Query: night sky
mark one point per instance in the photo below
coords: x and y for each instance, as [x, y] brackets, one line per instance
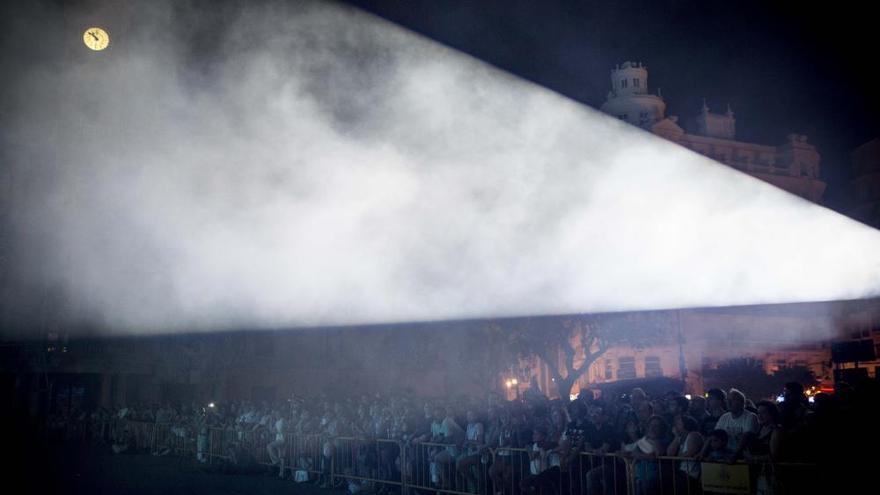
[783, 66]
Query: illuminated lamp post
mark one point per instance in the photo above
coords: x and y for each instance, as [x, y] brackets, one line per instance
[513, 383]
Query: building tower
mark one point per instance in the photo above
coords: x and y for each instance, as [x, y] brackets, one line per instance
[722, 126]
[629, 100]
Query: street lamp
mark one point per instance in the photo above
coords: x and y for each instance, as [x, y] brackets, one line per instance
[513, 383]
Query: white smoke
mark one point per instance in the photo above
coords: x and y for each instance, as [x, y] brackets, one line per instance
[332, 168]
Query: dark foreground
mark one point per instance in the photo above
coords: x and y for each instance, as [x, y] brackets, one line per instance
[94, 471]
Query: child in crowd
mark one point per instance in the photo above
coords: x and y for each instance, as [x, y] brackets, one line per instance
[716, 449]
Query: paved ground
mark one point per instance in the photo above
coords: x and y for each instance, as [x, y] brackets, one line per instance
[96, 471]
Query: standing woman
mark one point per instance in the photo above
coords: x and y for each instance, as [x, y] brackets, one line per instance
[765, 447]
[688, 442]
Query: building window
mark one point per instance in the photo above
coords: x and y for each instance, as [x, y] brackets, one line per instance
[609, 373]
[652, 367]
[623, 83]
[623, 116]
[626, 368]
[635, 83]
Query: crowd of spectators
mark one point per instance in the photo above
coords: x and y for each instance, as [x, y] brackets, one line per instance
[490, 445]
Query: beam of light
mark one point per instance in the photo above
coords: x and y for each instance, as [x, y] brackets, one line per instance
[326, 167]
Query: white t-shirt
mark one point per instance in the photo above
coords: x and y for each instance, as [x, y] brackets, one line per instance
[736, 427]
[539, 463]
[279, 429]
[474, 430]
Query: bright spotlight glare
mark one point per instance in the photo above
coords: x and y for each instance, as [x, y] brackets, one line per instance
[437, 187]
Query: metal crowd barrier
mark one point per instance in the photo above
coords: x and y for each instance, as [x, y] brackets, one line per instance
[301, 455]
[410, 468]
[363, 463]
[575, 473]
[683, 476]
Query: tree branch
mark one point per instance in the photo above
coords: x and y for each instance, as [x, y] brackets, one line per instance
[543, 355]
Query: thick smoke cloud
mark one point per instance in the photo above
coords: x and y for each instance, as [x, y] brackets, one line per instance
[314, 165]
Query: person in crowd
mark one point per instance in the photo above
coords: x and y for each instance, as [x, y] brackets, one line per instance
[631, 436]
[444, 430]
[794, 407]
[543, 474]
[552, 457]
[737, 422]
[716, 406]
[601, 438]
[766, 444]
[687, 442]
[678, 405]
[697, 410]
[557, 422]
[493, 431]
[716, 448]
[794, 415]
[470, 459]
[124, 443]
[636, 397]
[508, 437]
[644, 413]
[275, 448]
[648, 448]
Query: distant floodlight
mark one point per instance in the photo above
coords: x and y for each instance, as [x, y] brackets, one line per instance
[210, 404]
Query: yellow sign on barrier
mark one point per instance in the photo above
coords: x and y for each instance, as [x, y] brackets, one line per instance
[725, 478]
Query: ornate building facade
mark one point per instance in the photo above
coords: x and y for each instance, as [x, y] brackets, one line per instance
[792, 166]
[776, 337]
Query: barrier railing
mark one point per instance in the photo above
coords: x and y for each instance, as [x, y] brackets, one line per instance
[446, 468]
[602, 473]
[684, 476]
[302, 456]
[364, 463]
[380, 465]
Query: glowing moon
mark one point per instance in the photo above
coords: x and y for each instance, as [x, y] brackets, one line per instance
[96, 38]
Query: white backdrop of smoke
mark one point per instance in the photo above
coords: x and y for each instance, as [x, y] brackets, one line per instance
[331, 168]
